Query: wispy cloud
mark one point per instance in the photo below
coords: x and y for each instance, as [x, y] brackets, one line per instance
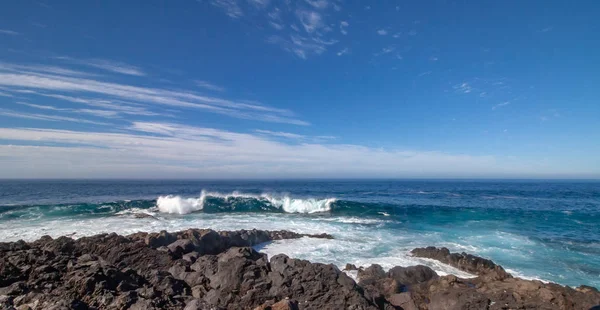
[9, 32]
[106, 65]
[382, 32]
[259, 3]
[209, 86]
[424, 73]
[304, 28]
[464, 88]
[310, 20]
[93, 112]
[302, 46]
[174, 150]
[343, 27]
[319, 4]
[231, 7]
[385, 50]
[43, 82]
[344, 51]
[46, 117]
[499, 105]
[281, 134]
[41, 68]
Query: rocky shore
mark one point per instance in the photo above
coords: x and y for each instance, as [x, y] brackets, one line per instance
[204, 269]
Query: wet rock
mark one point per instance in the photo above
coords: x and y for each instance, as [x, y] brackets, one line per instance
[281, 305]
[463, 261]
[161, 239]
[373, 272]
[350, 267]
[403, 300]
[204, 269]
[180, 247]
[412, 275]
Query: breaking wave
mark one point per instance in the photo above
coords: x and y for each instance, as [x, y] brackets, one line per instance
[218, 202]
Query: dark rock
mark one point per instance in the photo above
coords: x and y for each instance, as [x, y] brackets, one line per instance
[315, 286]
[191, 257]
[412, 274]
[204, 269]
[350, 267]
[403, 300]
[144, 216]
[463, 261]
[282, 305]
[161, 239]
[180, 247]
[373, 272]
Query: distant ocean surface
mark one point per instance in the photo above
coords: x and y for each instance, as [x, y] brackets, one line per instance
[548, 230]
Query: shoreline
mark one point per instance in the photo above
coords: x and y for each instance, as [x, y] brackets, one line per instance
[205, 269]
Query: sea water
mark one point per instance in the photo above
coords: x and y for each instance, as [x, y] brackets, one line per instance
[547, 230]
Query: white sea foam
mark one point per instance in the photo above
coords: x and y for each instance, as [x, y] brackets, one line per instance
[517, 274]
[178, 205]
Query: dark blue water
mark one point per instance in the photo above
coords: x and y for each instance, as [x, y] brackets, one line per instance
[539, 229]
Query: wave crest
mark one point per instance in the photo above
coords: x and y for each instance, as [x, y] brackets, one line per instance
[178, 205]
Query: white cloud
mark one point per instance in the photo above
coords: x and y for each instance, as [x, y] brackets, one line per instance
[343, 26]
[276, 25]
[46, 117]
[9, 32]
[119, 106]
[464, 88]
[231, 7]
[397, 35]
[106, 65]
[281, 134]
[164, 150]
[302, 46]
[259, 3]
[343, 52]
[42, 82]
[41, 68]
[310, 20]
[499, 105]
[209, 86]
[93, 112]
[382, 32]
[319, 4]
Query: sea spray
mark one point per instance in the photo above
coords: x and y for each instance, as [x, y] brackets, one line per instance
[179, 205]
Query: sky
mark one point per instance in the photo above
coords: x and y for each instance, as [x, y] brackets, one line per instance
[299, 89]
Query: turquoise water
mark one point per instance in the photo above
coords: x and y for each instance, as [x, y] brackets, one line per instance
[547, 230]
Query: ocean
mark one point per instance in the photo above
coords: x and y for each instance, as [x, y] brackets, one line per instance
[546, 230]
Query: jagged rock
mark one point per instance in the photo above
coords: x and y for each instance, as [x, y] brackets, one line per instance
[412, 274]
[315, 286]
[282, 305]
[204, 269]
[403, 300]
[463, 261]
[181, 246]
[350, 267]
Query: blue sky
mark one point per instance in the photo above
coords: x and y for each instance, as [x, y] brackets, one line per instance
[307, 88]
